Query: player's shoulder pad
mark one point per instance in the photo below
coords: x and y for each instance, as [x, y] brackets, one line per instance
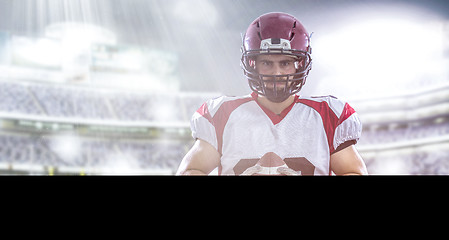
[337, 105]
[215, 103]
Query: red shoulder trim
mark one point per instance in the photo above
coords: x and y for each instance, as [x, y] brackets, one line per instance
[204, 111]
[347, 112]
[221, 117]
[330, 119]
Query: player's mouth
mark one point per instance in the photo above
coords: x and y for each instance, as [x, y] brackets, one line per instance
[278, 85]
[278, 94]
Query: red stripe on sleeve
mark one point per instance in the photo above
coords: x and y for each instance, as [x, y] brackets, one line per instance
[330, 120]
[347, 112]
[221, 117]
[204, 111]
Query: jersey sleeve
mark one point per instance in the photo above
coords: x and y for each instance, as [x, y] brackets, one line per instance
[348, 127]
[202, 126]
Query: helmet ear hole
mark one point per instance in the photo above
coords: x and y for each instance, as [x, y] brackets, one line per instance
[299, 64]
[252, 63]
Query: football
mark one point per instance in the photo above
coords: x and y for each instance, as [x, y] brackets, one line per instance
[270, 164]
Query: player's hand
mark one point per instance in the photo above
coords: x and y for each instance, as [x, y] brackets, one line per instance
[282, 171]
[288, 171]
[252, 170]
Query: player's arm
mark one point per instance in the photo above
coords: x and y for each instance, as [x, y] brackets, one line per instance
[348, 162]
[201, 159]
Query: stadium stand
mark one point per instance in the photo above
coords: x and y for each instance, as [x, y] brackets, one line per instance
[408, 133]
[34, 115]
[148, 130]
[149, 133]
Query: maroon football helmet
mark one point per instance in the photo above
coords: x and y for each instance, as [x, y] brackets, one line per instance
[276, 33]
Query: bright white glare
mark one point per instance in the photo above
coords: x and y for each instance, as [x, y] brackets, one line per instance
[122, 164]
[42, 51]
[77, 38]
[131, 60]
[80, 34]
[163, 111]
[66, 146]
[198, 12]
[392, 166]
[381, 56]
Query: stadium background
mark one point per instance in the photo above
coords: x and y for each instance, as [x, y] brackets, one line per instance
[108, 86]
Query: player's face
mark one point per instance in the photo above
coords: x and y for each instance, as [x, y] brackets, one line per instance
[275, 65]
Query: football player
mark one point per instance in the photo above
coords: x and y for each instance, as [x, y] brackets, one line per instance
[274, 131]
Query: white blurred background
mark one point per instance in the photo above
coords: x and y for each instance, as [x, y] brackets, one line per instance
[108, 86]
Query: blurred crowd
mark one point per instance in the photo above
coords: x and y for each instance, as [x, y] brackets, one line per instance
[89, 103]
[99, 152]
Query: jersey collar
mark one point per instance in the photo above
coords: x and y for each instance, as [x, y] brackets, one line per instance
[275, 118]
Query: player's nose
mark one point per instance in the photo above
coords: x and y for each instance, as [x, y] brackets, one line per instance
[277, 70]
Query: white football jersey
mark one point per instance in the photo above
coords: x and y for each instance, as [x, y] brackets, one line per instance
[302, 138]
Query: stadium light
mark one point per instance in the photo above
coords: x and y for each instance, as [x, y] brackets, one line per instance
[123, 163]
[80, 33]
[67, 146]
[380, 55]
[77, 38]
[42, 51]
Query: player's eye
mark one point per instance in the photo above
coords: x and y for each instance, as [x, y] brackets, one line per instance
[286, 64]
[266, 63]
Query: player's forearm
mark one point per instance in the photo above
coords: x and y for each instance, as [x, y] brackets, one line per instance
[192, 172]
[353, 174]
